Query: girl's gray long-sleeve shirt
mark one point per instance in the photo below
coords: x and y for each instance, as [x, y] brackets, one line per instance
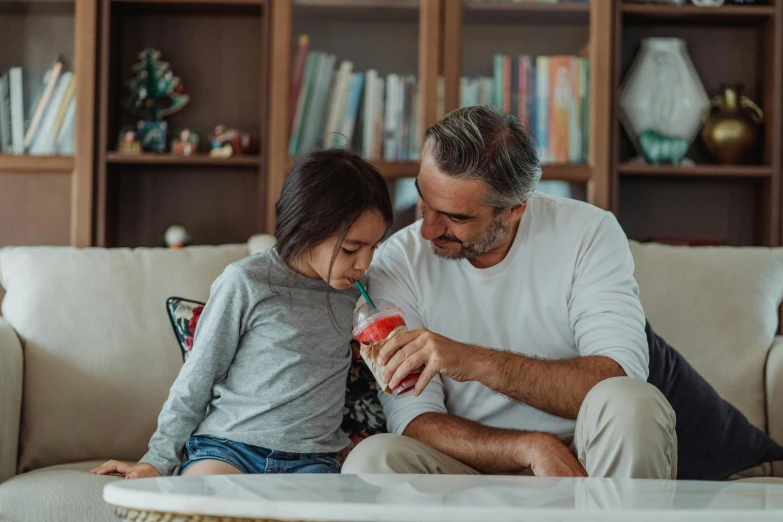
[268, 368]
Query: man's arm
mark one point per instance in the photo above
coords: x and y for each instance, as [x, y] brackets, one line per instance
[494, 450]
[557, 387]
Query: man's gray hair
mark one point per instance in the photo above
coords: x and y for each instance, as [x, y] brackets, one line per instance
[482, 142]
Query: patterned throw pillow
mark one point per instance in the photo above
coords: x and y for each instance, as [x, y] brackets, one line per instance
[362, 415]
[184, 315]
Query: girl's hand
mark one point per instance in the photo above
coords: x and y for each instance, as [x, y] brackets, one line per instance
[127, 469]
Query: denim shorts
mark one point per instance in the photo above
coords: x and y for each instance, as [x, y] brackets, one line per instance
[252, 459]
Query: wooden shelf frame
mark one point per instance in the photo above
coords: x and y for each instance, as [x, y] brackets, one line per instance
[196, 160]
[15, 164]
[596, 13]
[647, 13]
[698, 171]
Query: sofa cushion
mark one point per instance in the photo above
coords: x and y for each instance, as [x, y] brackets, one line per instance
[65, 493]
[99, 355]
[260, 242]
[714, 440]
[719, 308]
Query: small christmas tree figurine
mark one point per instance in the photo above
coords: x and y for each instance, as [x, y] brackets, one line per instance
[154, 94]
[154, 90]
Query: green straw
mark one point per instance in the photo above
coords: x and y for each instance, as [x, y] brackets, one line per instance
[366, 296]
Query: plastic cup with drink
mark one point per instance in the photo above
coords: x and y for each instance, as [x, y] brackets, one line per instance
[374, 324]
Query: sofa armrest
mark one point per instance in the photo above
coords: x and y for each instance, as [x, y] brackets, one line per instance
[10, 398]
[774, 390]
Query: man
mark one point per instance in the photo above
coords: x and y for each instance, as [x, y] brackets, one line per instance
[525, 317]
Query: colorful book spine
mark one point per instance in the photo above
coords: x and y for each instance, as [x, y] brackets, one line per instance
[497, 97]
[368, 110]
[17, 110]
[5, 115]
[379, 124]
[296, 83]
[575, 113]
[532, 101]
[542, 107]
[59, 120]
[50, 80]
[584, 93]
[523, 69]
[560, 95]
[305, 93]
[507, 84]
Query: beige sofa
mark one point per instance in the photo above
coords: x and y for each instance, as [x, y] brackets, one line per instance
[87, 354]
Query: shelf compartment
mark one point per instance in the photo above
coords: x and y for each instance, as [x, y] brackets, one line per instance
[36, 164]
[697, 171]
[196, 160]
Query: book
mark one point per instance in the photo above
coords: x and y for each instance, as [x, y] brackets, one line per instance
[305, 93]
[296, 83]
[352, 108]
[6, 145]
[68, 101]
[584, 93]
[316, 115]
[542, 107]
[337, 104]
[560, 95]
[65, 141]
[50, 81]
[497, 95]
[369, 111]
[391, 118]
[17, 110]
[40, 143]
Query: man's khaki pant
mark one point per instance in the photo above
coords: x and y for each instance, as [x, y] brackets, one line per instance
[624, 429]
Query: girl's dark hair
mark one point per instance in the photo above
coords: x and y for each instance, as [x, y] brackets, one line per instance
[323, 195]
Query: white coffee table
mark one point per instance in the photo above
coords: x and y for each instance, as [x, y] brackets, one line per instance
[419, 498]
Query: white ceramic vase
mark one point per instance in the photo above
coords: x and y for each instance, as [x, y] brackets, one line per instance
[663, 92]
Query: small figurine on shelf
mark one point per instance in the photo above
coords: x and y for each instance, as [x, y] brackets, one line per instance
[225, 142]
[186, 143]
[152, 135]
[154, 94]
[127, 142]
[176, 236]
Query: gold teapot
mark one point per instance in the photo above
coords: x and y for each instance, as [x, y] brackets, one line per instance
[731, 125]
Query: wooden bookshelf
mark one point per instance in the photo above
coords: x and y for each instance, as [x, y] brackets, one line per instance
[740, 203]
[235, 59]
[49, 198]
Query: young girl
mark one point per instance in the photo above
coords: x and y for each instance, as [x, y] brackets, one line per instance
[264, 387]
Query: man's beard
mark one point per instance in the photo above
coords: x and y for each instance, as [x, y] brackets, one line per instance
[486, 241]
